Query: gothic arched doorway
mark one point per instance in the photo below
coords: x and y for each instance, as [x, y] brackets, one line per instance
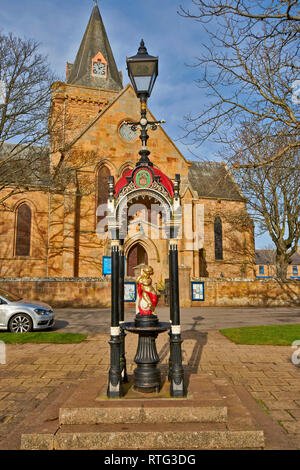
[136, 255]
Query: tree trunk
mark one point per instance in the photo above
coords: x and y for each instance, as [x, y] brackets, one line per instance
[282, 261]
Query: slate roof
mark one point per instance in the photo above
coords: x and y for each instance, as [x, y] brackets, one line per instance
[295, 259]
[95, 40]
[213, 180]
[30, 166]
[264, 257]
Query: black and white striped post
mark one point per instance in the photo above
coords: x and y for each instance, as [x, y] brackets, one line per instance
[121, 312]
[176, 373]
[114, 389]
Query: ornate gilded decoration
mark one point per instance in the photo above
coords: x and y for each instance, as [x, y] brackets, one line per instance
[147, 297]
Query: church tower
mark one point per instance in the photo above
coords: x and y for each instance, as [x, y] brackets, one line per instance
[95, 65]
[92, 82]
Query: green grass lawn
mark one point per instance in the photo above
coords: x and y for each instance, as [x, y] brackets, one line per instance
[42, 337]
[277, 335]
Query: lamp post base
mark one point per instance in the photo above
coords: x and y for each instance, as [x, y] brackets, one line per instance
[176, 374]
[123, 357]
[114, 389]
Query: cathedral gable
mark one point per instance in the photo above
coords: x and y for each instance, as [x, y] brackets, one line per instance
[108, 137]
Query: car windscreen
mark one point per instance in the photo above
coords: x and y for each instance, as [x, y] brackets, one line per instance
[9, 296]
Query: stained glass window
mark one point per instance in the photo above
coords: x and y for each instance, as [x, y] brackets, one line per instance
[218, 239]
[23, 235]
[102, 191]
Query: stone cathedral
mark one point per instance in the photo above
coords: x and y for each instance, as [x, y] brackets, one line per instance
[60, 230]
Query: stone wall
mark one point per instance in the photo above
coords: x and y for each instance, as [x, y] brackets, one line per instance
[62, 292]
[218, 293]
[249, 293]
[34, 265]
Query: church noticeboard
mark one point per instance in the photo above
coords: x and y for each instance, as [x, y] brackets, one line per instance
[198, 291]
[106, 265]
[129, 292]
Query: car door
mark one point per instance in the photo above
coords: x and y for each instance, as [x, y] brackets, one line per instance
[3, 312]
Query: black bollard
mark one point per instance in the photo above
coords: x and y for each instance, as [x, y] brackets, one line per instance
[121, 313]
[114, 389]
[176, 375]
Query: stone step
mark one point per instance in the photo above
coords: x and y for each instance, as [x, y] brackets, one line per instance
[137, 407]
[143, 414]
[211, 416]
[145, 437]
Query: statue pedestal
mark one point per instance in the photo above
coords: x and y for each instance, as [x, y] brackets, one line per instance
[147, 375]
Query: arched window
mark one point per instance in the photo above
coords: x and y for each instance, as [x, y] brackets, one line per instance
[102, 191]
[23, 235]
[202, 263]
[218, 238]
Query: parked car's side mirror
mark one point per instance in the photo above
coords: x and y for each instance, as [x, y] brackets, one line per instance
[2, 302]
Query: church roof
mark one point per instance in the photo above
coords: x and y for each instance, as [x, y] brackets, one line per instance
[269, 256]
[213, 180]
[95, 40]
[24, 165]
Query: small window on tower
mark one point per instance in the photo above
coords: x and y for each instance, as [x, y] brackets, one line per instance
[99, 66]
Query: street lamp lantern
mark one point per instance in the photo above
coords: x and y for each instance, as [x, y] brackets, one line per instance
[143, 71]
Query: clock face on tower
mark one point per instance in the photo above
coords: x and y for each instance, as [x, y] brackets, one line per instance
[99, 69]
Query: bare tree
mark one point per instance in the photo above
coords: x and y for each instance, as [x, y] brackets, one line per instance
[31, 126]
[257, 10]
[26, 79]
[249, 67]
[272, 189]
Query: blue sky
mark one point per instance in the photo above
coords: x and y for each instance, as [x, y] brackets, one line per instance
[59, 25]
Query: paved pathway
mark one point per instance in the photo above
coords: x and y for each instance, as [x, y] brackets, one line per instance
[34, 371]
[94, 321]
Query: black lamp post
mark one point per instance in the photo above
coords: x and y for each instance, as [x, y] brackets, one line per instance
[143, 71]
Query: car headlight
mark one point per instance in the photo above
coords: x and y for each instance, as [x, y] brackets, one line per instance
[40, 311]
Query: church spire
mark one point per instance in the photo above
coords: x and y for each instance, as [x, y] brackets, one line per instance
[95, 65]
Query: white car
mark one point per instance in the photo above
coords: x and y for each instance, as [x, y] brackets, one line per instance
[22, 315]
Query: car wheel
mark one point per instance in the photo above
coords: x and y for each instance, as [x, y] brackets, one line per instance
[20, 323]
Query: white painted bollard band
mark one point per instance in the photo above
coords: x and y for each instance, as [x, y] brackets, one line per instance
[115, 331]
[176, 329]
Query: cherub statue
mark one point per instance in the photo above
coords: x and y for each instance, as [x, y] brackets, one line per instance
[147, 297]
